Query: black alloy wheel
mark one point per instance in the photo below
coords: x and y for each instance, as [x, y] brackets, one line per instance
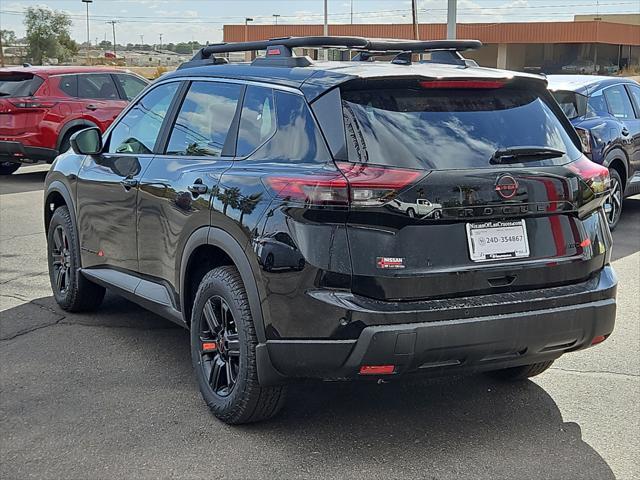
[614, 201]
[219, 346]
[61, 259]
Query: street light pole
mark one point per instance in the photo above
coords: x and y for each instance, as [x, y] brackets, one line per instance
[325, 30]
[248, 55]
[161, 41]
[414, 16]
[275, 15]
[452, 8]
[113, 26]
[87, 2]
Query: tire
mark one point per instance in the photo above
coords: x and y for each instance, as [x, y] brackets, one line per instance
[615, 200]
[521, 373]
[65, 144]
[223, 351]
[7, 168]
[72, 291]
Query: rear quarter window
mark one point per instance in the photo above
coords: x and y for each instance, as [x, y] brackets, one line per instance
[449, 129]
[19, 84]
[297, 138]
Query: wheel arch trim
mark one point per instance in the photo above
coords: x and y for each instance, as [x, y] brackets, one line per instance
[58, 187]
[229, 245]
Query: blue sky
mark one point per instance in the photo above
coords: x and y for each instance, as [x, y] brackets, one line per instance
[184, 20]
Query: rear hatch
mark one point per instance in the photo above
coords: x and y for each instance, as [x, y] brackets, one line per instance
[20, 111]
[466, 187]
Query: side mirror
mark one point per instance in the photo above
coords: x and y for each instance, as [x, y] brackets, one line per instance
[87, 141]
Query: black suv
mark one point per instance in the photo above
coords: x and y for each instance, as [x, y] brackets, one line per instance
[340, 220]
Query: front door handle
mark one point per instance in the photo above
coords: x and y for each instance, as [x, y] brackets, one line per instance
[92, 107]
[198, 188]
[129, 183]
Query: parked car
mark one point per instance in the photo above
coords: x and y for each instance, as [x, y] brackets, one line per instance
[581, 66]
[172, 207]
[421, 207]
[41, 107]
[605, 112]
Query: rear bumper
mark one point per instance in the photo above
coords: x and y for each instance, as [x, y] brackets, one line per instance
[460, 344]
[20, 153]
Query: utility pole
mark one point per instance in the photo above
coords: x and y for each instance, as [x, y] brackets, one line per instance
[452, 8]
[87, 2]
[161, 41]
[141, 39]
[351, 12]
[113, 26]
[325, 30]
[275, 15]
[414, 16]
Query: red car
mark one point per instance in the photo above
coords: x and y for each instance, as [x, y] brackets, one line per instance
[41, 107]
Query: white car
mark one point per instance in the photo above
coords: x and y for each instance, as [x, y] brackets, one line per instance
[422, 208]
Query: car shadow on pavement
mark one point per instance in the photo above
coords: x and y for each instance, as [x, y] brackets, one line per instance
[626, 236]
[131, 369]
[23, 181]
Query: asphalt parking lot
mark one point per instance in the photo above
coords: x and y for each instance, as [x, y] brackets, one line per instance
[111, 395]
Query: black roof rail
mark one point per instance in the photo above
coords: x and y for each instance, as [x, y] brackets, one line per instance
[280, 53]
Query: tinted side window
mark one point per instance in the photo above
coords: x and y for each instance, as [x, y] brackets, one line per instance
[596, 106]
[138, 130]
[204, 119]
[297, 138]
[618, 102]
[69, 85]
[99, 86]
[257, 121]
[131, 85]
[635, 94]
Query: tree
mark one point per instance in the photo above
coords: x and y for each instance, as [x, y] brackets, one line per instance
[7, 37]
[48, 34]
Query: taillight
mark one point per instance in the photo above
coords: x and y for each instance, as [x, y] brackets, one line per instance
[594, 175]
[356, 184]
[487, 84]
[585, 140]
[31, 103]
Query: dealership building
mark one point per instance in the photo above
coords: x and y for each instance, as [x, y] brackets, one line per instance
[589, 44]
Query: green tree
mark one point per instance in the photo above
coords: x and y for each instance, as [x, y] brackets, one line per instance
[48, 34]
[7, 37]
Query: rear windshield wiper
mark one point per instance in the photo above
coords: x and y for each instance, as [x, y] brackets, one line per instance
[523, 154]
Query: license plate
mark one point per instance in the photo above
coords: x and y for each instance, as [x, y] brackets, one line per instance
[497, 240]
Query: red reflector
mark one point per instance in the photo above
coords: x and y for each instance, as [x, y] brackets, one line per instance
[598, 339]
[209, 346]
[585, 243]
[377, 369]
[463, 84]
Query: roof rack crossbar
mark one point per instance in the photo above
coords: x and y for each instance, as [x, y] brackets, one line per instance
[352, 43]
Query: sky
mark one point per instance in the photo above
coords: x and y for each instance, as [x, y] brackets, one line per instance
[202, 20]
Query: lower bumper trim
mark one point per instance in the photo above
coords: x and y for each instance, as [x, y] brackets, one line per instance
[20, 153]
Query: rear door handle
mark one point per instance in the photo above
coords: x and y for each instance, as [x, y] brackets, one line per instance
[129, 183]
[198, 188]
[92, 107]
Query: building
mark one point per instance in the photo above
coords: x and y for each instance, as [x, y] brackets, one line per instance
[592, 46]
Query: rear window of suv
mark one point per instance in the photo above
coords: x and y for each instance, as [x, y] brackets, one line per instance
[449, 129]
[19, 84]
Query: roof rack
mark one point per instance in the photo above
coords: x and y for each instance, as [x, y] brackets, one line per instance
[279, 51]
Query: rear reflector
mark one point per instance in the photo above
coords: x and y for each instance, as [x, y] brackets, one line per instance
[463, 84]
[355, 184]
[209, 346]
[593, 174]
[598, 339]
[377, 369]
